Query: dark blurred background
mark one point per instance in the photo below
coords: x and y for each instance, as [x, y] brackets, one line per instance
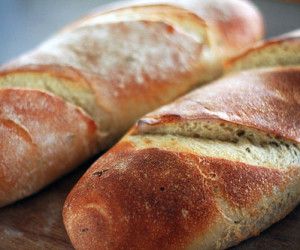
[25, 23]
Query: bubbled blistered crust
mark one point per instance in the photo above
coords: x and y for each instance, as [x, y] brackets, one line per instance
[41, 138]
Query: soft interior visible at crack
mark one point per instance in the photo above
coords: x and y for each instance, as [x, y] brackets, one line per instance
[222, 140]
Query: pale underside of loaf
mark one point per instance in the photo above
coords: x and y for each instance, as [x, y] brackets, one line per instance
[204, 179]
[282, 51]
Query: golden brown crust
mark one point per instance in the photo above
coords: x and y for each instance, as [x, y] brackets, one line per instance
[254, 99]
[106, 68]
[106, 64]
[152, 191]
[150, 199]
[39, 141]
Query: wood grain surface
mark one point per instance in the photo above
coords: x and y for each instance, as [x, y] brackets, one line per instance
[36, 223]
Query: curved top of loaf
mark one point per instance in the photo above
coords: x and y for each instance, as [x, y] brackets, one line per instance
[235, 24]
[266, 100]
[177, 17]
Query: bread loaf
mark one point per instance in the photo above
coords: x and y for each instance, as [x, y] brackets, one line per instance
[90, 82]
[214, 168]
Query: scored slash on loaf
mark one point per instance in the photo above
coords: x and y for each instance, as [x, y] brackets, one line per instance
[234, 24]
[279, 51]
[105, 71]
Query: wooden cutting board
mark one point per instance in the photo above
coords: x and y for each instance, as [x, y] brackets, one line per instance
[36, 223]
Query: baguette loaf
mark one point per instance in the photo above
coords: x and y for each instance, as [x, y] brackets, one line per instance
[215, 167]
[283, 50]
[104, 71]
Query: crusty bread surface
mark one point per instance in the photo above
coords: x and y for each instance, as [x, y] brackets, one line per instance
[214, 168]
[112, 67]
[39, 140]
